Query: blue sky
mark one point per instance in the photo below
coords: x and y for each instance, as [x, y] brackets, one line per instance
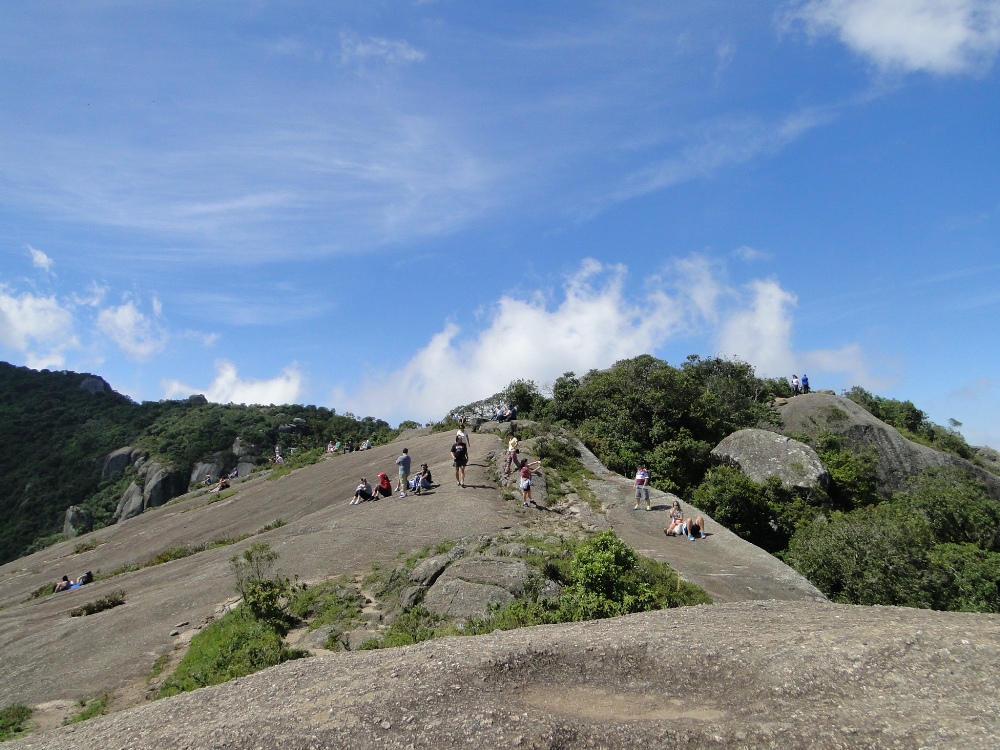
[392, 208]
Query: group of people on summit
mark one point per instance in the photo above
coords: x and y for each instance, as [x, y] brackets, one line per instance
[422, 480]
[800, 386]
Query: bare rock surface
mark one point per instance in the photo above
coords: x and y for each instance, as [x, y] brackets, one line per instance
[761, 454]
[789, 675]
[541, 687]
[727, 567]
[898, 458]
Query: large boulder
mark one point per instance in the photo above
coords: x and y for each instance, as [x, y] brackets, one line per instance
[760, 454]
[94, 384]
[212, 469]
[163, 483]
[77, 521]
[471, 586]
[899, 459]
[131, 503]
[990, 457]
[118, 460]
[464, 600]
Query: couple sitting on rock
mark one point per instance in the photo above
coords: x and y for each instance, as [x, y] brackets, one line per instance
[692, 528]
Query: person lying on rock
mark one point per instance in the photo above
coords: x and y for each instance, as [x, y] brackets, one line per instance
[692, 528]
[222, 485]
[67, 585]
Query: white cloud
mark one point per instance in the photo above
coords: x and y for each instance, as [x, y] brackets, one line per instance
[936, 36]
[750, 254]
[389, 51]
[40, 328]
[597, 322]
[724, 143]
[603, 316]
[229, 388]
[93, 296]
[759, 331]
[40, 259]
[139, 336]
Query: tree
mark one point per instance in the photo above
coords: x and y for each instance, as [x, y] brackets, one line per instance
[868, 556]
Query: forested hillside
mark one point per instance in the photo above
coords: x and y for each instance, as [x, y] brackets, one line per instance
[58, 427]
[934, 544]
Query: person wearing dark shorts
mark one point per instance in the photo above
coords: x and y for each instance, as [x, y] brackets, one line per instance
[460, 457]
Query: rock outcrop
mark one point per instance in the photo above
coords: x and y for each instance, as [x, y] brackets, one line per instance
[898, 458]
[131, 503]
[77, 521]
[119, 460]
[94, 384]
[760, 454]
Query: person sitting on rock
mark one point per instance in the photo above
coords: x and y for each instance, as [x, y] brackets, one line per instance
[222, 485]
[365, 446]
[362, 493]
[676, 519]
[83, 580]
[422, 480]
[384, 486]
[508, 415]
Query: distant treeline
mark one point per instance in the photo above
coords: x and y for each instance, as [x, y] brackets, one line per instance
[56, 436]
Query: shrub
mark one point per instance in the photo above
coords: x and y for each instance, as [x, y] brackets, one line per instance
[112, 600]
[964, 578]
[867, 556]
[234, 646]
[605, 583]
[14, 720]
[956, 506]
[90, 709]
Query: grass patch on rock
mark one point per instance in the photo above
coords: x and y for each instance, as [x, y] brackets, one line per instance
[14, 721]
[112, 600]
[89, 709]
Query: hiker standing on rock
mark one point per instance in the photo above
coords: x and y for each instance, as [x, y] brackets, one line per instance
[526, 471]
[511, 456]
[641, 486]
[460, 457]
[805, 383]
[403, 462]
[796, 389]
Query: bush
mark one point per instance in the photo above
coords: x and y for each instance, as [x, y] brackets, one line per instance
[868, 556]
[853, 474]
[604, 582]
[964, 578]
[234, 646]
[112, 600]
[955, 505]
[14, 721]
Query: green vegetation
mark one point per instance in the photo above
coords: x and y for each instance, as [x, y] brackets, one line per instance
[935, 545]
[14, 721]
[89, 709]
[88, 545]
[63, 434]
[177, 553]
[112, 600]
[600, 577]
[246, 640]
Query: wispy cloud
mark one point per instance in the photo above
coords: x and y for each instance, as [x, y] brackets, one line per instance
[228, 387]
[935, 36]
[40, 259]
[390, 51]
[728, 141]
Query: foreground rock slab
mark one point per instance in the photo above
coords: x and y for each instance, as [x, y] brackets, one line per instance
[744, 675]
